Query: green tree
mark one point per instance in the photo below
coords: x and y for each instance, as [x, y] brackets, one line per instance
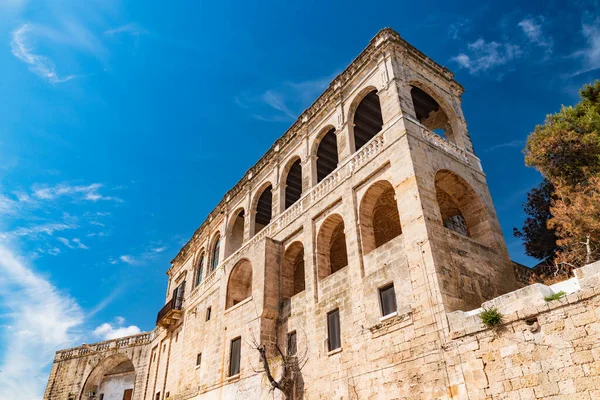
[566, 150]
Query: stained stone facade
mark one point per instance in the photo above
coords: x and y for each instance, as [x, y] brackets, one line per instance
[366, 235]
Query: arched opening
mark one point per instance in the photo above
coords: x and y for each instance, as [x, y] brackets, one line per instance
[199, 271]
[461, 208]
[430, 114]
[239, 286]
[293, 184]
[332, 254]
[379, 218]
[264, 209]
[112, 379]
[368, 120]
[327, 155]
[215, 253]
[292, 274]
[236, 233]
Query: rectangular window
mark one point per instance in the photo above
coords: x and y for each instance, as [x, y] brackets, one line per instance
[157, 397]
[208, 310]
[387, 299]
[292, 345]
[234, 356]
[198, 359]
[334, 340]
[101, 396]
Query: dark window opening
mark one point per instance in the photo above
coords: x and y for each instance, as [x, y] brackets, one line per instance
[264, 209]
[387, 298]
[334, 340]
[368, 120]
[157, 397]
[215, 253]
[293, 184]
[338, 252]
[100, 398]
[198, 359]
[234, 357]
[292, 345]
[208, 311]
[430, 114]
[236, 234]
[327, 155]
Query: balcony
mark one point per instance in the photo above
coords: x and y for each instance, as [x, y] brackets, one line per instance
[172, 311]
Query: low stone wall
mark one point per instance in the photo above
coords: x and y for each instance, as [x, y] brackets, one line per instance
[542, 349]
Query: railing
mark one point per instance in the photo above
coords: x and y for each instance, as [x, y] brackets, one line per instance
[91, 349]
[366, 153]
[174, 304]
[445, 145]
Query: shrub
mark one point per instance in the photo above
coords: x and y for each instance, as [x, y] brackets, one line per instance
[491, 317]
[555, 296]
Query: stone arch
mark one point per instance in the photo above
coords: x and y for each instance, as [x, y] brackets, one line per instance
[325, 150]
[215, 252]
[263, 207]
[461, 208]
[292, 271]
[235, 231]
[367, 117]
[111, 377]
[433, 112]
[379, 217]
[332, 252]
[200, 269]
[292, 174]
[239, 286]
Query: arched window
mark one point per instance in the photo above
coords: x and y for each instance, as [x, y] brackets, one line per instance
[461, 208]
[332, 254]
[199, 270]
[430, 114]
[264, 209]
[327, 155]
[215, 252]
[236, 233]
[292, 277]
[379, 218]
[293, 184]
[239, 286]
[368, 120]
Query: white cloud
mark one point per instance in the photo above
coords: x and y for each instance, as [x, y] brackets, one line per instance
[33, 231]
[74, 243]
[130, 29]
[532, 28]
[38, 64]
[42, 320]
[512, 143]
[484, 56]
[108, 331]
[128, 259]
[590, 54]
[81, 192]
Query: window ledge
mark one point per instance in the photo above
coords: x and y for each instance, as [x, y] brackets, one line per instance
[197, 367]
[335, 351]
[386, 317]
[233, 377]
[238, 305]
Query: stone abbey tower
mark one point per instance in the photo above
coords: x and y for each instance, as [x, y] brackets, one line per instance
[358, 245]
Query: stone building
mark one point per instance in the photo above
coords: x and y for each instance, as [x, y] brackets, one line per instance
[364, 242]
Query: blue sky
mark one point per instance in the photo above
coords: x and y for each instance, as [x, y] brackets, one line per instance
[123, 124]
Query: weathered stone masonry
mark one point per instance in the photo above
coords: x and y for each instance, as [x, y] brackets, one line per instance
[375, 186]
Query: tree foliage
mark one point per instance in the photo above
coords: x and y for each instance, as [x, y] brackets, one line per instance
[539, 239]
[566, 150]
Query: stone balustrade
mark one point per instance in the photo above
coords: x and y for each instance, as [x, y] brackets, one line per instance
[115, 344]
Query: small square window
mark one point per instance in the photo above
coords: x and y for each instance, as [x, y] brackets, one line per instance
[334, 340]
[292, 345]
[208, 312]
[157, 397]
[100, 398]
[198, 359]
[387, 299]
[234, 356]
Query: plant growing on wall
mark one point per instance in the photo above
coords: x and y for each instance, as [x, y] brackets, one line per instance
[491, 317]
[555, 296]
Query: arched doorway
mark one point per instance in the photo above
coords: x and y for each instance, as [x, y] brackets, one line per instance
[112, 379]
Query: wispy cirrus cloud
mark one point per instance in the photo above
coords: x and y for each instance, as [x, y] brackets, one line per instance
[79, 192]
[590, 53]
[38, 320]
[130, 29]
[42, 66]
[482, 56]
[282, 103]
[74, 243]
[511, 144]
[146, 255]
[533, 30]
